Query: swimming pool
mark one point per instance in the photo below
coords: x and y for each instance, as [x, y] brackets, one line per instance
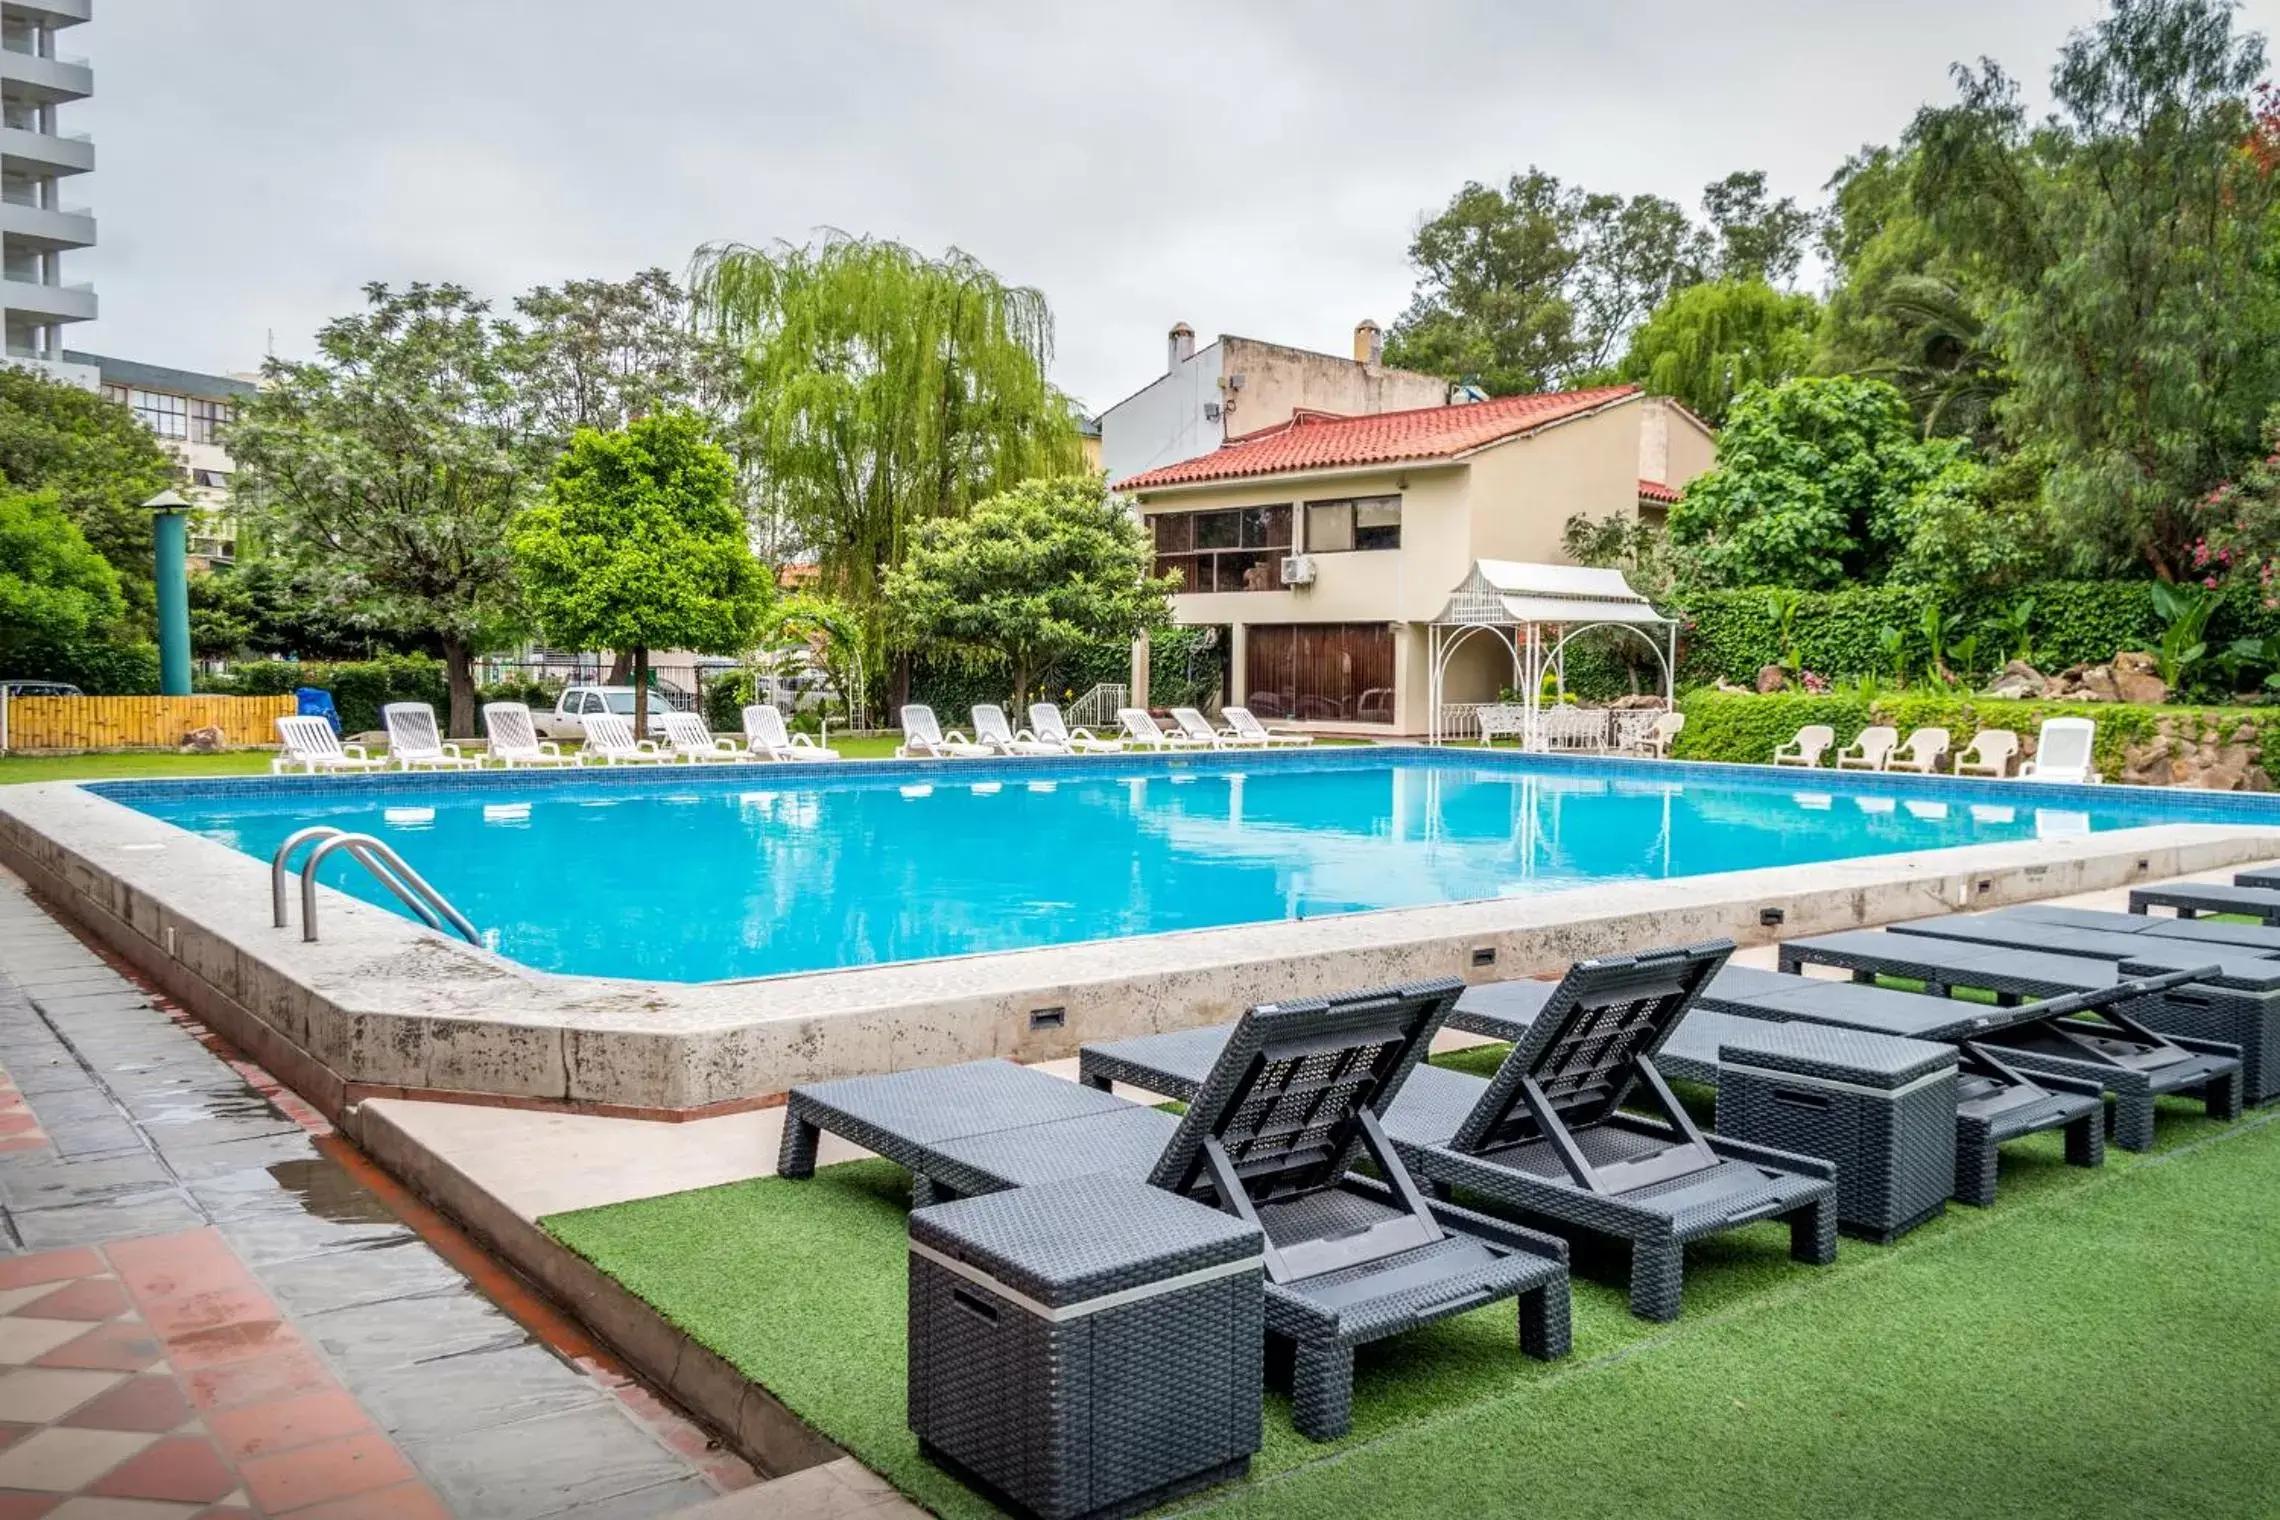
[703, 875]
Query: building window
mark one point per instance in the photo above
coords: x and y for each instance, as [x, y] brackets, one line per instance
[1320, 672]
[164, 414]
[1362, 522]
[212, 480]
[1240, 550]
[207, 418]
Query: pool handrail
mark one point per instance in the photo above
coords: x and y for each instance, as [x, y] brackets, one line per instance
[387, 867]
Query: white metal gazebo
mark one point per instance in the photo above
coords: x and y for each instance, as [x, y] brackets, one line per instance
[1532, 611]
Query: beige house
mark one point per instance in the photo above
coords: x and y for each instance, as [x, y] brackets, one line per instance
[1326, 546]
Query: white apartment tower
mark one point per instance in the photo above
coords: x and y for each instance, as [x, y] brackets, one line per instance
[36, 158]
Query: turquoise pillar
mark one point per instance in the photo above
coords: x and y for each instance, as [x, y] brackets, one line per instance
[173, 533]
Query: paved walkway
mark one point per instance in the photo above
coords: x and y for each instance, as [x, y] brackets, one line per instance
[211, 1305]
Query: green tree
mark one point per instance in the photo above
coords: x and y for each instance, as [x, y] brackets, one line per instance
[1534, 285]
[61, 611]
[2125, 243]
[639, 546]
[1975, 527]
[880, 389]
[395, 463]
[1756, 237]
[599, 353]
[1815, 487]
[1710, 342]
[97, 460]
[1034, 575]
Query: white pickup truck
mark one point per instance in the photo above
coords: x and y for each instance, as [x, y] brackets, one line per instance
[568, 719]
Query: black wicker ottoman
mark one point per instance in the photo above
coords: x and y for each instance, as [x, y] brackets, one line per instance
[1883, 1109]
[1090, 1347]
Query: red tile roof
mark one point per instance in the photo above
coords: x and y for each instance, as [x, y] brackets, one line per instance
[1314, 440]
[1655, 490]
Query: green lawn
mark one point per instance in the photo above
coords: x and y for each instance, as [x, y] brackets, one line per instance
[2098, 1339]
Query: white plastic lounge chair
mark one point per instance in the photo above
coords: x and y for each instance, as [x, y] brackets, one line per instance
[515, 740]
[923, 736]
[311, 745]
[1249, 730]
[1657, 739]
[609, 739]
[1046, 723]
[992, 729]
[414, 744]
[766, 738]
[1921, 753]
[1811, 743]
[1870, 751]
[1988, 754]
[1144, 732]
[2062, 752]
[1196, 726]
[689, 740]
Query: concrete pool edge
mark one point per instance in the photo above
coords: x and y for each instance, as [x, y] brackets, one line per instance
[382, 1007]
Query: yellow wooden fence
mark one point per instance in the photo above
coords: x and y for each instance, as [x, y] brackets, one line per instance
[35, 723]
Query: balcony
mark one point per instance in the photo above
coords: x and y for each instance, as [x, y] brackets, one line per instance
[43, 81]
[44, 153]
[38, 227]
[52, 303]
[54, 12]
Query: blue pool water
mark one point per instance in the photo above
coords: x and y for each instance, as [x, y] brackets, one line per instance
[695, 876]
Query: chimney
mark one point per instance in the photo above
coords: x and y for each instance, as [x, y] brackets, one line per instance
[1181, 347]
[1369, 347]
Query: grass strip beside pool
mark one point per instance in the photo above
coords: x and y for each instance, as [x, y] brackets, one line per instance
[2097, 1339]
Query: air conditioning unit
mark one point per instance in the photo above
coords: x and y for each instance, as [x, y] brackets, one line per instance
[1298, 570]
[1211, 411]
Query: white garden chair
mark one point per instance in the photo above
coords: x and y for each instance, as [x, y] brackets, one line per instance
[1922, 752]
[2062, 752]
[1811, 743]
[766, 738]
[1249, 730]
[1142, 730]
[310, 745]
[1988, 754]
[609, 739]
[514, 738]
[992, 729]
[1656, 741]
[1194, 725]
[922, 735]
[693, 743]
[414, 744]
[1046, 722]
[1871, 751]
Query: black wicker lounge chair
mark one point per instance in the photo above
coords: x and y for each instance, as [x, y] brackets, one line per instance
[1290, 1104]
[2093, 1031]
[2188, 898]
[2261, 938]
[2234, 997]
[2263, 878]
[1552, 1134]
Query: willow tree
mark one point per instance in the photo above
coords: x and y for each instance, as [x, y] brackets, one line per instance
[882, 388]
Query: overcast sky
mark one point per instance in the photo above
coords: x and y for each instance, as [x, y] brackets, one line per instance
[1247, 168]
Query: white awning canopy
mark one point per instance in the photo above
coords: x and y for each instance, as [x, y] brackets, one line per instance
[1510, 591]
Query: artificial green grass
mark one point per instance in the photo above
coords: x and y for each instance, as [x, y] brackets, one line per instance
[2097, 1339]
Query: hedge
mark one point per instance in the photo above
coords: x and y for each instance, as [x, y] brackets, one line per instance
[360, 688]
[1732, 634]
[1730, 726]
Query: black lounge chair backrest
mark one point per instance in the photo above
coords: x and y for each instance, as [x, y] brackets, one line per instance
[1582, 1056]
[1284, 1107]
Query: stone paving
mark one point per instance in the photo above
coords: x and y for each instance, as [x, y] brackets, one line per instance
[211, 1305]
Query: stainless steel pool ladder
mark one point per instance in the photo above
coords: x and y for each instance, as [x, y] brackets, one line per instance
[411, 889]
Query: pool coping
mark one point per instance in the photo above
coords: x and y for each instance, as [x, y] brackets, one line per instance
[383, 1007]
